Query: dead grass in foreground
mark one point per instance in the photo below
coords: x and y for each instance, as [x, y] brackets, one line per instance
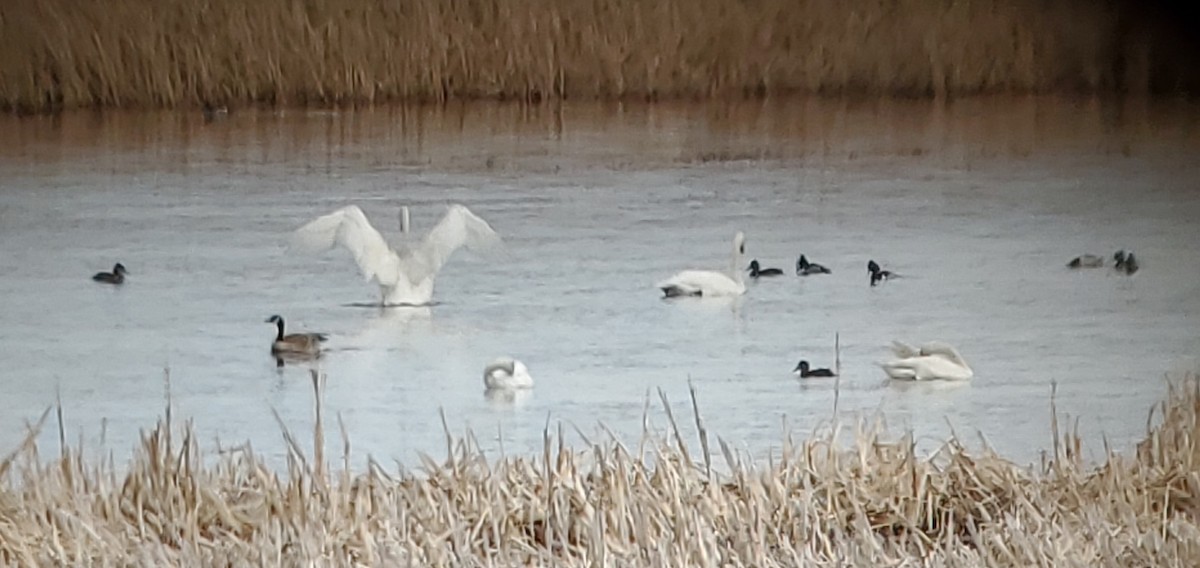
[819, 503]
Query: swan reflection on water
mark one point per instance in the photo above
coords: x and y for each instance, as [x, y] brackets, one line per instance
[389, 323]
[507, 398]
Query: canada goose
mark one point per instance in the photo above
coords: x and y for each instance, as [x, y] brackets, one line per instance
[117, 276]
[710, 282]
[506, 373]
[806, 268]
[757, 271]
[296, 343]
[805, 372]
[405, 276]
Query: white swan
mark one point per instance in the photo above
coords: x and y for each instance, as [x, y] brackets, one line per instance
[934, 360]
[405, 276]
[710, 282]
[506, 373]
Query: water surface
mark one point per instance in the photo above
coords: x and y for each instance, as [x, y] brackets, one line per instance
[979, 204]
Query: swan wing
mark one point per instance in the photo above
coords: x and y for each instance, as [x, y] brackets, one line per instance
[899, 369]
[926, 368]
[944, 350]
[903, 350]
[459, 227]
[349, 228]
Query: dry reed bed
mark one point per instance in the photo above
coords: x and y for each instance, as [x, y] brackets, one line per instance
[819, 502]
[57, 54]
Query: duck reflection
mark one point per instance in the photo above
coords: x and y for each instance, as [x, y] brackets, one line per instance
[303, 359]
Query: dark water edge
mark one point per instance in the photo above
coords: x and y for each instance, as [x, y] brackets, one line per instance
[494, 135]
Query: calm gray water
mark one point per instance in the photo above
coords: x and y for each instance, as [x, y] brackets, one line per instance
[979, 204]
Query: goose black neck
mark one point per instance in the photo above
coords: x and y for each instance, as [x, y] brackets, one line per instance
[279, 326]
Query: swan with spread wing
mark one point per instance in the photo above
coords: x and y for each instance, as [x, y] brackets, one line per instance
[405, 274]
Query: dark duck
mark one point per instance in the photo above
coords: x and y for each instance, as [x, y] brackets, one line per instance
[806, 268]
[117, 276]
[757, 270]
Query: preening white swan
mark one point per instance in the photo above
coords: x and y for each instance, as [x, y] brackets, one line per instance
[405, 275]
[933, 361]
[710, 282]
[506, 373]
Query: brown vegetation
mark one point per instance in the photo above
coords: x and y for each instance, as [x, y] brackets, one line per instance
[819, 502]
[57, 54]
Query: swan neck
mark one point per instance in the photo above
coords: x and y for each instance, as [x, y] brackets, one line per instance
[735, 263]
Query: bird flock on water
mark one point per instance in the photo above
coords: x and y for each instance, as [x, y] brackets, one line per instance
[405, 276]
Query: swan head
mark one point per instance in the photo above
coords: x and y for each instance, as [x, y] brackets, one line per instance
[506, 372]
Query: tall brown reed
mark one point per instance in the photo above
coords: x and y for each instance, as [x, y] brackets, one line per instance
[818, 502]
[138, 53]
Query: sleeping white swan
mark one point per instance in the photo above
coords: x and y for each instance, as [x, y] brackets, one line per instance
[708, 283]
[405, 275]
[935, 360]
[506, 373]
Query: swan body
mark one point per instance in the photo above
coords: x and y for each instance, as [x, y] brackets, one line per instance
[756, 270]
[710, 283]
[804, 372]
[506, 373]
[1086, 261]
[806, 268]
[932, 361]
[405, 275]
[117, 276]
[295, 343]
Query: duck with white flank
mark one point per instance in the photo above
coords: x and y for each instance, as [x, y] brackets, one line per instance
[806, 268]
[708, 283]
[878, 274]
[803, 371]
[756, 270]
[1125, 262]
[1086, 261]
